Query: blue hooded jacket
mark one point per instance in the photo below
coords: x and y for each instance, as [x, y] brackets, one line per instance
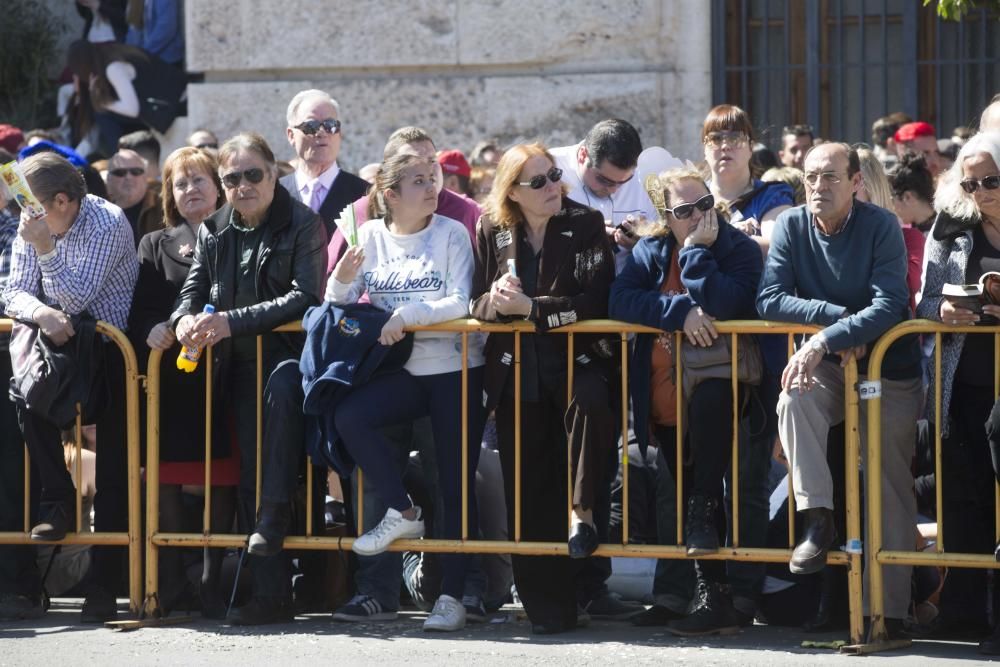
[721, 278]
[341, 352]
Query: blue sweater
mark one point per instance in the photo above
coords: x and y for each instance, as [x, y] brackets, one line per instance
[722, 279]
[811, 278]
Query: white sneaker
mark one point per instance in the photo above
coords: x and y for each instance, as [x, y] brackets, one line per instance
[448, 615]
[392, 527]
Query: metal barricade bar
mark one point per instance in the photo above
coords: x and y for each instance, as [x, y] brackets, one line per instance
[464, 327]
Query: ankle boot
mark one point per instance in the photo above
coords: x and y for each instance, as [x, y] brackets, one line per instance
[819, 535]
[702, 537]
[712, 613]
[269, 535]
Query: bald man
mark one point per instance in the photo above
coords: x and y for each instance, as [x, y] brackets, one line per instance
[129, 188]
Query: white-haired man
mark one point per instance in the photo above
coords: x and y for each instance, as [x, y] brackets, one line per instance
[314, 131]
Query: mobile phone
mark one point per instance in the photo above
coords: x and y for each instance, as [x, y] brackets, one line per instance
[512, 267]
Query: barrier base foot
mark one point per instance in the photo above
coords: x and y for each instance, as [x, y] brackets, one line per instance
[136, 623]
[876, 646]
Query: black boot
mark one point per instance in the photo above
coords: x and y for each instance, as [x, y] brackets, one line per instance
[711, 614]
[269, 535]
[702, 536]
[264, 610]
[820, 533]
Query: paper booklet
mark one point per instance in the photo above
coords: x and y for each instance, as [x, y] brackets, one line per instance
[973, 297]
[16, 188]
[347, 223]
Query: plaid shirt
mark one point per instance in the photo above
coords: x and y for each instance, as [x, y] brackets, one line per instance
[94, 268]
[8, 231]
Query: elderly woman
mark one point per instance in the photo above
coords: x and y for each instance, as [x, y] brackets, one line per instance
[260, 261]
[191, 192]
[544, 258]
[963, 245]
[687, 272]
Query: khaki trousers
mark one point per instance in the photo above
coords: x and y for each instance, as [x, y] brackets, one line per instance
[804, 421]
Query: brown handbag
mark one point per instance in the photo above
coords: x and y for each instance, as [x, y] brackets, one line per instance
[703, 363]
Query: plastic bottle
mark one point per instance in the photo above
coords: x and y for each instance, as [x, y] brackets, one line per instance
[187, 360]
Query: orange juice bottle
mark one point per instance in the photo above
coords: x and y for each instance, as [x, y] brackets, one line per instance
[187, 360]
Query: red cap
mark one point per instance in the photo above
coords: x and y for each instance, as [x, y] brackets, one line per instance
[11, 138]
[453, 162]
[911, 131]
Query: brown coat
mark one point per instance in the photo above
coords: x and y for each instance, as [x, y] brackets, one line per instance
[574, 280]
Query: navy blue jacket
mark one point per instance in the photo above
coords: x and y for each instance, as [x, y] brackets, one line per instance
[341, 352]
[722, 279]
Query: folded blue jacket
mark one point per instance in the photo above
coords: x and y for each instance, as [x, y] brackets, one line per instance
[341, 353]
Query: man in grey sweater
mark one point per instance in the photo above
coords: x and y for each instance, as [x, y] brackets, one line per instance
[841, 264]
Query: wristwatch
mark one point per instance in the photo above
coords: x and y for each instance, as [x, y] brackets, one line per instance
[818, 344]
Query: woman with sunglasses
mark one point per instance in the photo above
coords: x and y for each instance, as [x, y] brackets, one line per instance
[689, 270]
[260, 260]
[754, 205]
[965, 244]
[543, 258]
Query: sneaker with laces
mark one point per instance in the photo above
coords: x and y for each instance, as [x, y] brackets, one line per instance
[475, 610]
[363, 608]
[448, 615]
[392, 527]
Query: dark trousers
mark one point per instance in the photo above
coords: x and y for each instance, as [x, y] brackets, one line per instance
[18, 571]
[361, 416]
[271, 574]
[967, 490]
[44, 442]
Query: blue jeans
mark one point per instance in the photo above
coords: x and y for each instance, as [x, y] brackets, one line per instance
[359, 420]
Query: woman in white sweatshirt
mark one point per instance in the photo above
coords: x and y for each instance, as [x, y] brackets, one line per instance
[417, 265]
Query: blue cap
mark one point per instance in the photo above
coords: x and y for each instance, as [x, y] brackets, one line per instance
[75, 158]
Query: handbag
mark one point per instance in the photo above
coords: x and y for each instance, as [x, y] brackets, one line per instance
[703, 363]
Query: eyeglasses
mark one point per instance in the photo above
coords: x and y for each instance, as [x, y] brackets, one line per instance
[310, 127]
[970, 185]
[684, 211]
[123, 171]
[538, 182]
[813, 178]
[233, 179]
[731, 137]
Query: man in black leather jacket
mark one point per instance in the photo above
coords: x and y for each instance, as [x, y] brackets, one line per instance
[260, 260]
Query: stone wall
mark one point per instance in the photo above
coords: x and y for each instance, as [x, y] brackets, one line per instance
[463, 69]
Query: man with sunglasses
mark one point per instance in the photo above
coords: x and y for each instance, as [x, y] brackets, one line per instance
[129, 188]
[314, 131]
[600, 173]
[841, 264]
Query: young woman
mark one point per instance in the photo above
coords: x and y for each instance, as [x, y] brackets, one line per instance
[417, 265]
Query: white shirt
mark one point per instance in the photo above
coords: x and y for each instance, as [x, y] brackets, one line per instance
[629, 199]
[306, 184]
[424, 278]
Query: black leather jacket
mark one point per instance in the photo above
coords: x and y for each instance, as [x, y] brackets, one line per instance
[290, 275]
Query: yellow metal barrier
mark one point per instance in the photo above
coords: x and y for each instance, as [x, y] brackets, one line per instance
[155, 538]
[938, 557]
[133, 537]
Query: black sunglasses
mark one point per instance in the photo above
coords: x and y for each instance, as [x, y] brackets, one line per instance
[331, 125]
[684, 211]
[970, 185]
[610, 182]
[538, 182]
[122, 171]
[233, 179]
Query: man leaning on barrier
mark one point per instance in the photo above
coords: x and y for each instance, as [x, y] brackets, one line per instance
[260, 261]
[79, 258]
[841, 264]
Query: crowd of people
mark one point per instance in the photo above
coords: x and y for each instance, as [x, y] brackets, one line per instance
[221, 243]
